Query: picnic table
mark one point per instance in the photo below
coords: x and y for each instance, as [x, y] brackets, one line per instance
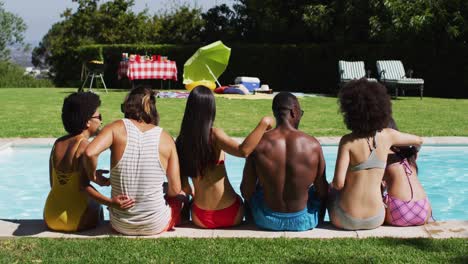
[143, 70]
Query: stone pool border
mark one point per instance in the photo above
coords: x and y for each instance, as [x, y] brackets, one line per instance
[444, 229]
[13, 228]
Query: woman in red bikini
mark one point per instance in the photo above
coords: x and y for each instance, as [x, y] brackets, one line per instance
[407, 203]
[201, 149]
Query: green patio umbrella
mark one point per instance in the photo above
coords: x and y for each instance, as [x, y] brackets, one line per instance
[207, 64]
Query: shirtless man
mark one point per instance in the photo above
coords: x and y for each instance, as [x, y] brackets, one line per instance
[284, 180]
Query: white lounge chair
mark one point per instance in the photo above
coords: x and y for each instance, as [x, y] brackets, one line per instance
[351, 70]
[392, 74]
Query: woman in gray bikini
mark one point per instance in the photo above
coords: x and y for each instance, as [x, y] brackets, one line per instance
[356, 199]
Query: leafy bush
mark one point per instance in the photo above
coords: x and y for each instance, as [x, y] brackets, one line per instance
[12, 76]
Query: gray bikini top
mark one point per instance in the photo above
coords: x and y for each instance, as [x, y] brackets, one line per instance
[372, 161]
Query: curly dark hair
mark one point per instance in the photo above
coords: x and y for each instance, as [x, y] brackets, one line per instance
[77, 109]
[366, 106]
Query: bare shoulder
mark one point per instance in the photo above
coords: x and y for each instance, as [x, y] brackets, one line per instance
[59, 141]
[268, 138]
[117, 124]
[307, 140]
[81, 148]
[166, 137]
[347, 139]
[166, 143]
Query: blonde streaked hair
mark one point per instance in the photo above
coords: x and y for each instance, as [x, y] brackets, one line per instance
[140, 105]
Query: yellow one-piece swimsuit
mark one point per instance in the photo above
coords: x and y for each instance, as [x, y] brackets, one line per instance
[65, 204]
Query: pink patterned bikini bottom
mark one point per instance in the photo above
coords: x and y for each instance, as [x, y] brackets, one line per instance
[407, 213]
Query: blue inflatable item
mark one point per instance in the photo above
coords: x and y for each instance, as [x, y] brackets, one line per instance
[233, 90]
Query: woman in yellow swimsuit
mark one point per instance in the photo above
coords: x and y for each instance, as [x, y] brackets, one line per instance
[71, 204]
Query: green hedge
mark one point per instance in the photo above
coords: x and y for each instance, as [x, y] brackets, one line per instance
[309, 67]
[12, 76]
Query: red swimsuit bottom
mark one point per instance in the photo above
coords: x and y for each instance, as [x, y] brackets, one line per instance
[218, 218]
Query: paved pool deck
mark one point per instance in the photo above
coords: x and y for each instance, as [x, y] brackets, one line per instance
[14, 228]
[443, 229]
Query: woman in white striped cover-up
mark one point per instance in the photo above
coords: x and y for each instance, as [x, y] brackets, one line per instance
[143, 155]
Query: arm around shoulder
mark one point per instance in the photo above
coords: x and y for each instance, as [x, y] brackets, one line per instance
[243, 149]
[404, 139]
[100, 143]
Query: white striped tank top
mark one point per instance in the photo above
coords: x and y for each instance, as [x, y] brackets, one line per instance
[140, 175]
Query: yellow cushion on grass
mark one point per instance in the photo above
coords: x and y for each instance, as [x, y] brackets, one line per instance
[211, 85]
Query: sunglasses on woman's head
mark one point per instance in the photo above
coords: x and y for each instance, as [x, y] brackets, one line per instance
[98, 117]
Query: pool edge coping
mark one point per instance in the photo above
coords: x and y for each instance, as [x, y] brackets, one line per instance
[11, 228]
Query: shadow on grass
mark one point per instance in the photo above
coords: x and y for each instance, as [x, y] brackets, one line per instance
[421, 244]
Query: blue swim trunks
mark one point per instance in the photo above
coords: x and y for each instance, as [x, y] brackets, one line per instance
[303, 220]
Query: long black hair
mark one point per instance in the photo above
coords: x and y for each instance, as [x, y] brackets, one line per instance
[194, 146]
[408, 152]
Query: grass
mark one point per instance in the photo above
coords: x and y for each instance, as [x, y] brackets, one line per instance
[36, 113]
[280, 250]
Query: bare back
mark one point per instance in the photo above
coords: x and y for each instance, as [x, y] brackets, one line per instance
[67, 151]
[403, 183]
[287, 163]
[213, 189]
[363, 187]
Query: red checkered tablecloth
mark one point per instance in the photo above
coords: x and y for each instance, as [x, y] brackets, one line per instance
[148, 70]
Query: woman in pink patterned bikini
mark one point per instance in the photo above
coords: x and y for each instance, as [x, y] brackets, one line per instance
[407, 203]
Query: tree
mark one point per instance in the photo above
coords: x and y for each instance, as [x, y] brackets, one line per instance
[112, 22]
[273, 21]
[439, 21]
[318, 21]
[221, 23]
[109, 23]
[181, 25]
[12, 30]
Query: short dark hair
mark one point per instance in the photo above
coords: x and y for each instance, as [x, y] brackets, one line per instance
[77, 109]
[365, 105]
[140, 104]
[282, 102]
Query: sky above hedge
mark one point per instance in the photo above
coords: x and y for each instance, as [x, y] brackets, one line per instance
[39, 15]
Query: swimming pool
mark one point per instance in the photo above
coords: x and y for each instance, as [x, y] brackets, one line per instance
[24, 179]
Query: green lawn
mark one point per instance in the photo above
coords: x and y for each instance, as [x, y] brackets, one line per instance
[280, 250]
[36, 113]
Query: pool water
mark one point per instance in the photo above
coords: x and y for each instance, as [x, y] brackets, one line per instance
[24, 177]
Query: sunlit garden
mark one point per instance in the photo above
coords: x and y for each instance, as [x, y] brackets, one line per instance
[415, 49]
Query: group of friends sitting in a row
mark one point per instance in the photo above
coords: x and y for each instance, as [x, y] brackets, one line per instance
[283, 183]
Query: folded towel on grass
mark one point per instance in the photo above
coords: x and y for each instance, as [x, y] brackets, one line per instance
[173, 94]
